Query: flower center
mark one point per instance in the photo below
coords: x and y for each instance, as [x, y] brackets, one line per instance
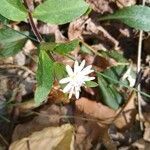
[77, 80]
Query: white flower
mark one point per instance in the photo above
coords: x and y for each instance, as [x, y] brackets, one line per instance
[129, 77]
[76, 78]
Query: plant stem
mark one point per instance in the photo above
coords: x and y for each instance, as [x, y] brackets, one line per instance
[34, 28]
[32, 24]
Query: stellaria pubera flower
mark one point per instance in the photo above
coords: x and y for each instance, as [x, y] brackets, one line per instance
[77, 77]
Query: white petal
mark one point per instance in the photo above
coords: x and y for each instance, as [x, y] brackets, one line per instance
[71, 92]
[67, 88]
[87, 78]
[76, 67]
[77, 92]
[87, 70]
[82, 65]
[65, 80]
[69, 70]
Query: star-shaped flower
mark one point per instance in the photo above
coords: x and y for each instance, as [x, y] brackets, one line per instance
[76, 78]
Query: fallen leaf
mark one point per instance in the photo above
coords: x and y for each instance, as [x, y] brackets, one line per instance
[146, 135]
[47, 116]
[95, 110]
[125, 3]
[127, 116]
[100, 6]
[92, 129]
[51, 138]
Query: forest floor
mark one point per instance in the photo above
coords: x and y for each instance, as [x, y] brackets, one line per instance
[86, 123]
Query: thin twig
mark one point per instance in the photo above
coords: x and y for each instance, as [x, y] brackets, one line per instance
[99, 54]
[32, 24]
[4, 140]
[138, 69]
[102, 121]
[34, 28]
[11, 66]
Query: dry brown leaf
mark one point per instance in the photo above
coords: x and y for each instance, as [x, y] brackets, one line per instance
[128, 114]
[146, 135]
[85, 27]
[101, 6]
[51, 138]
[125, 3]
[95, 110]
[54, 30]
[92, 130]
[141, 145]
[57, 96]
[26, 106]
[48, 116]
[86, 134]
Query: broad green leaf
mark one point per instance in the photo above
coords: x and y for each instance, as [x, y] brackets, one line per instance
[91, 84]
[108, 86]
[136, 16]
[64, 48]
[114, 54]
[110, 96]
[60, 11]
[48, 46]
[3, 19]
[13, 10]
[44, 77]
[115, 72]
[59, 71]
[11, 42]
[85, 49]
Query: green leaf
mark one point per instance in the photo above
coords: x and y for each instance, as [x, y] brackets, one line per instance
[3, 19]
[115, 72]
[91, 84]
[110, 96]
[114, 54]
[11, 42]
[48, 46]
[85, 49]
[44, 77]
[59, 71]
[13, 10]
[64, 48]
[136, 16]
[60, 11]
[108, 88]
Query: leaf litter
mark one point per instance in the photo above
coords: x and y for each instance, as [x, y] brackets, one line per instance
[75, 124]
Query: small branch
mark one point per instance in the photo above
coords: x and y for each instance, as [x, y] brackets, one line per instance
[32, 24]
[4, 140]
[34, 28]
[138, 70]
[5, 66]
